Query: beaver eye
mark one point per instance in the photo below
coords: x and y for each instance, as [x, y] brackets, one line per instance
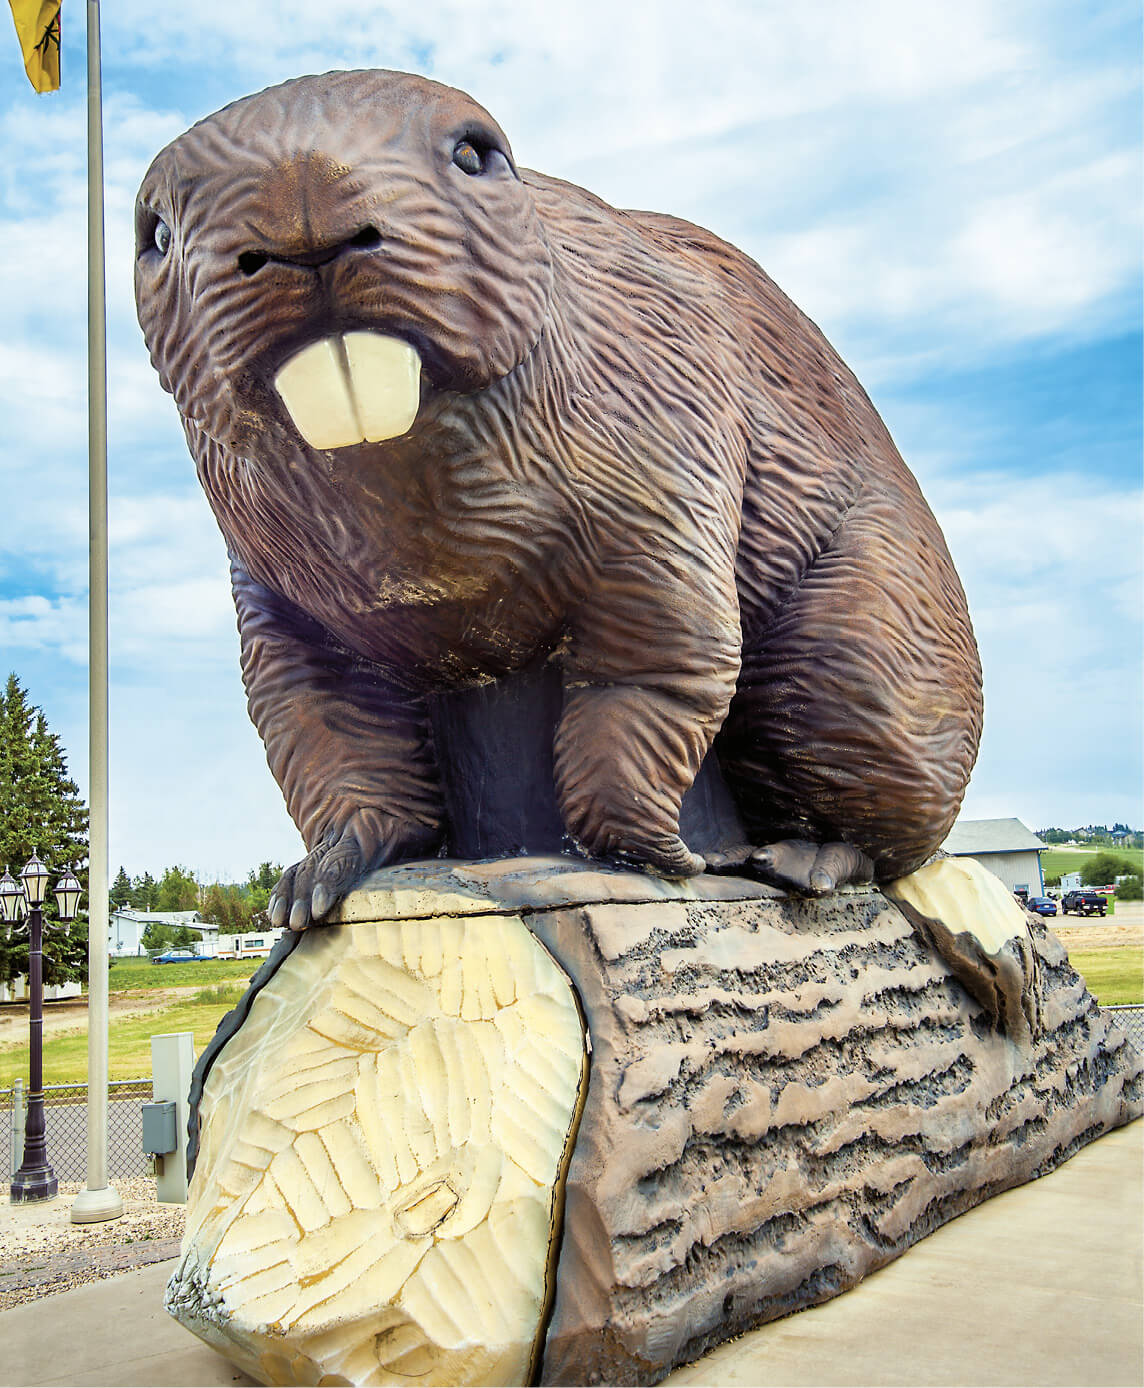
[161, 236]
[467, 159]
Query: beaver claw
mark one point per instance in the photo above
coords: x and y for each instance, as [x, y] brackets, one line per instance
[669, 857]
[796, 865]
[313, 887]
[308, 890]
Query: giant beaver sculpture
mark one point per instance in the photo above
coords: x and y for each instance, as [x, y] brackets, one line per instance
[454, 417]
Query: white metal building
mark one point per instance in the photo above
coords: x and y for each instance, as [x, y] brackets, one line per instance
[1006, 847]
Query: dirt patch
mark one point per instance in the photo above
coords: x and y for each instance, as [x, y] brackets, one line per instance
[1125, 927]
[70, 1014]
[1102, 936]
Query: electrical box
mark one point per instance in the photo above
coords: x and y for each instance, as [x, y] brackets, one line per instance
[159, 1133]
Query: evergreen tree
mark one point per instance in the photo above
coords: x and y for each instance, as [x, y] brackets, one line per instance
[120, 894]
[259, 885]
[144, 892]
[40, 811]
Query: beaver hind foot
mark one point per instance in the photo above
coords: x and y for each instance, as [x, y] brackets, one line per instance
[797, 865]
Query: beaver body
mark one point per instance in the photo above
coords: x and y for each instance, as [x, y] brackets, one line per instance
[630, 454]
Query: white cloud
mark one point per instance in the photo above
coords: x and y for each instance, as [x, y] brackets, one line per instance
[1043, 258]
[189, 780]
[37, 623]
[1055, 587]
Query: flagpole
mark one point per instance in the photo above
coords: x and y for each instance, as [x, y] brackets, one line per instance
[97, 1201]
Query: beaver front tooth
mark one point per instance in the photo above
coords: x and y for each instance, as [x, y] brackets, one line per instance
[385, 379]
[362, 387]
[314, 387]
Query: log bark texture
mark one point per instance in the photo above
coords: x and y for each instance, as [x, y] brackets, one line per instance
[784, 1096]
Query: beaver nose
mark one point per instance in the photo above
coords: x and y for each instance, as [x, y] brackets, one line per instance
[365, 238]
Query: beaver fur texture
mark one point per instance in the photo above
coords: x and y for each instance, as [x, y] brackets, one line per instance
[632, 454]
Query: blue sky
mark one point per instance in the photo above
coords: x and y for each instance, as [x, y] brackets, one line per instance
[953, 193]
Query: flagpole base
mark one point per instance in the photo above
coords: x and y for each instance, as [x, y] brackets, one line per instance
[93, 1206]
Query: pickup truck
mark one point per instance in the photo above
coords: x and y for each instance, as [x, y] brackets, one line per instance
[1083, 904]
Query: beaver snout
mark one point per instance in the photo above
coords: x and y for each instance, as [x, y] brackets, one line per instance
[368, 238]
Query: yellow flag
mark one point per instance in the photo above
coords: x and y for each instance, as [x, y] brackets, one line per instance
[38, 25]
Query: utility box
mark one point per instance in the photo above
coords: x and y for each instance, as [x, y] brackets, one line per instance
[172, 1062]
[159, 1133]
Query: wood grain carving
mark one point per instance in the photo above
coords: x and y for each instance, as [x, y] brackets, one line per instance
[378, 1183]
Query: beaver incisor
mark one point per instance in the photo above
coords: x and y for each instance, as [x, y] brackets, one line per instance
[454, 416]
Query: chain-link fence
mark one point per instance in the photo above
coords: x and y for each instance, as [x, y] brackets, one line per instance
[1130, 1019]
[65, 1119]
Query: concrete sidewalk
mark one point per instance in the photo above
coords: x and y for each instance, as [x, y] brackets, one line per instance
[1039, 1286]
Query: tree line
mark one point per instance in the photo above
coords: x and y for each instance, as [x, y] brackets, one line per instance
[235, 907]
[1097, 835]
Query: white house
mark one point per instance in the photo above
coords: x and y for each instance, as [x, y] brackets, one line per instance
[1006, 847]
[125, 929]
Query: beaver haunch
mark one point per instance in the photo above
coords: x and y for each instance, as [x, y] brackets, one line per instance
[455, 417]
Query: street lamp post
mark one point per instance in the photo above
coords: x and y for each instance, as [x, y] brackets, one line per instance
[35, 1179]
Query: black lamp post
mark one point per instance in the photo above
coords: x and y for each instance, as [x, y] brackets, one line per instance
[35, 1179]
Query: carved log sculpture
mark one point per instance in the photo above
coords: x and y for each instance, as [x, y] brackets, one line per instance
[459, 420]
[781, 1096]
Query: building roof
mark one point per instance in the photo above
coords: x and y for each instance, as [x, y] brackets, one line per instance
[971, 836]
[167, 917]
[187, 918]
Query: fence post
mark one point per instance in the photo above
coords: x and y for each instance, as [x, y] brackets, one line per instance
[18, 1120]
[172, 1061]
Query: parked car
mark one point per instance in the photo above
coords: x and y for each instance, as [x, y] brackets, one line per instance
[1042, 905]
[177, 956]
[1086, 903]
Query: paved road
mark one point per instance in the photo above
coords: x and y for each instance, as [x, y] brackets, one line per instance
[67, 1140]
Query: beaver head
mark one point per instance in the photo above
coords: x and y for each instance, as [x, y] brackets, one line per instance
[312, 259]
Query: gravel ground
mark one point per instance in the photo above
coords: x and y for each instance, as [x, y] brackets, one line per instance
[42, 1252]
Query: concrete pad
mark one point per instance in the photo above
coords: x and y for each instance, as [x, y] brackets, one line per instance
[109, 1332]
[1042, 1285]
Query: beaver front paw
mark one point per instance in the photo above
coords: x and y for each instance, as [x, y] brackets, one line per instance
[667, 857]
[313, 887]
[797, 865]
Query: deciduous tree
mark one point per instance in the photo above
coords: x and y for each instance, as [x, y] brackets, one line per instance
[1102, 869]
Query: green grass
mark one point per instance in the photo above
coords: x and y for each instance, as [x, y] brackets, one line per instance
[1113, 975]
[135, 975]
[222, 982]
[228, 993]
[1054, 861]
[129, 1051]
